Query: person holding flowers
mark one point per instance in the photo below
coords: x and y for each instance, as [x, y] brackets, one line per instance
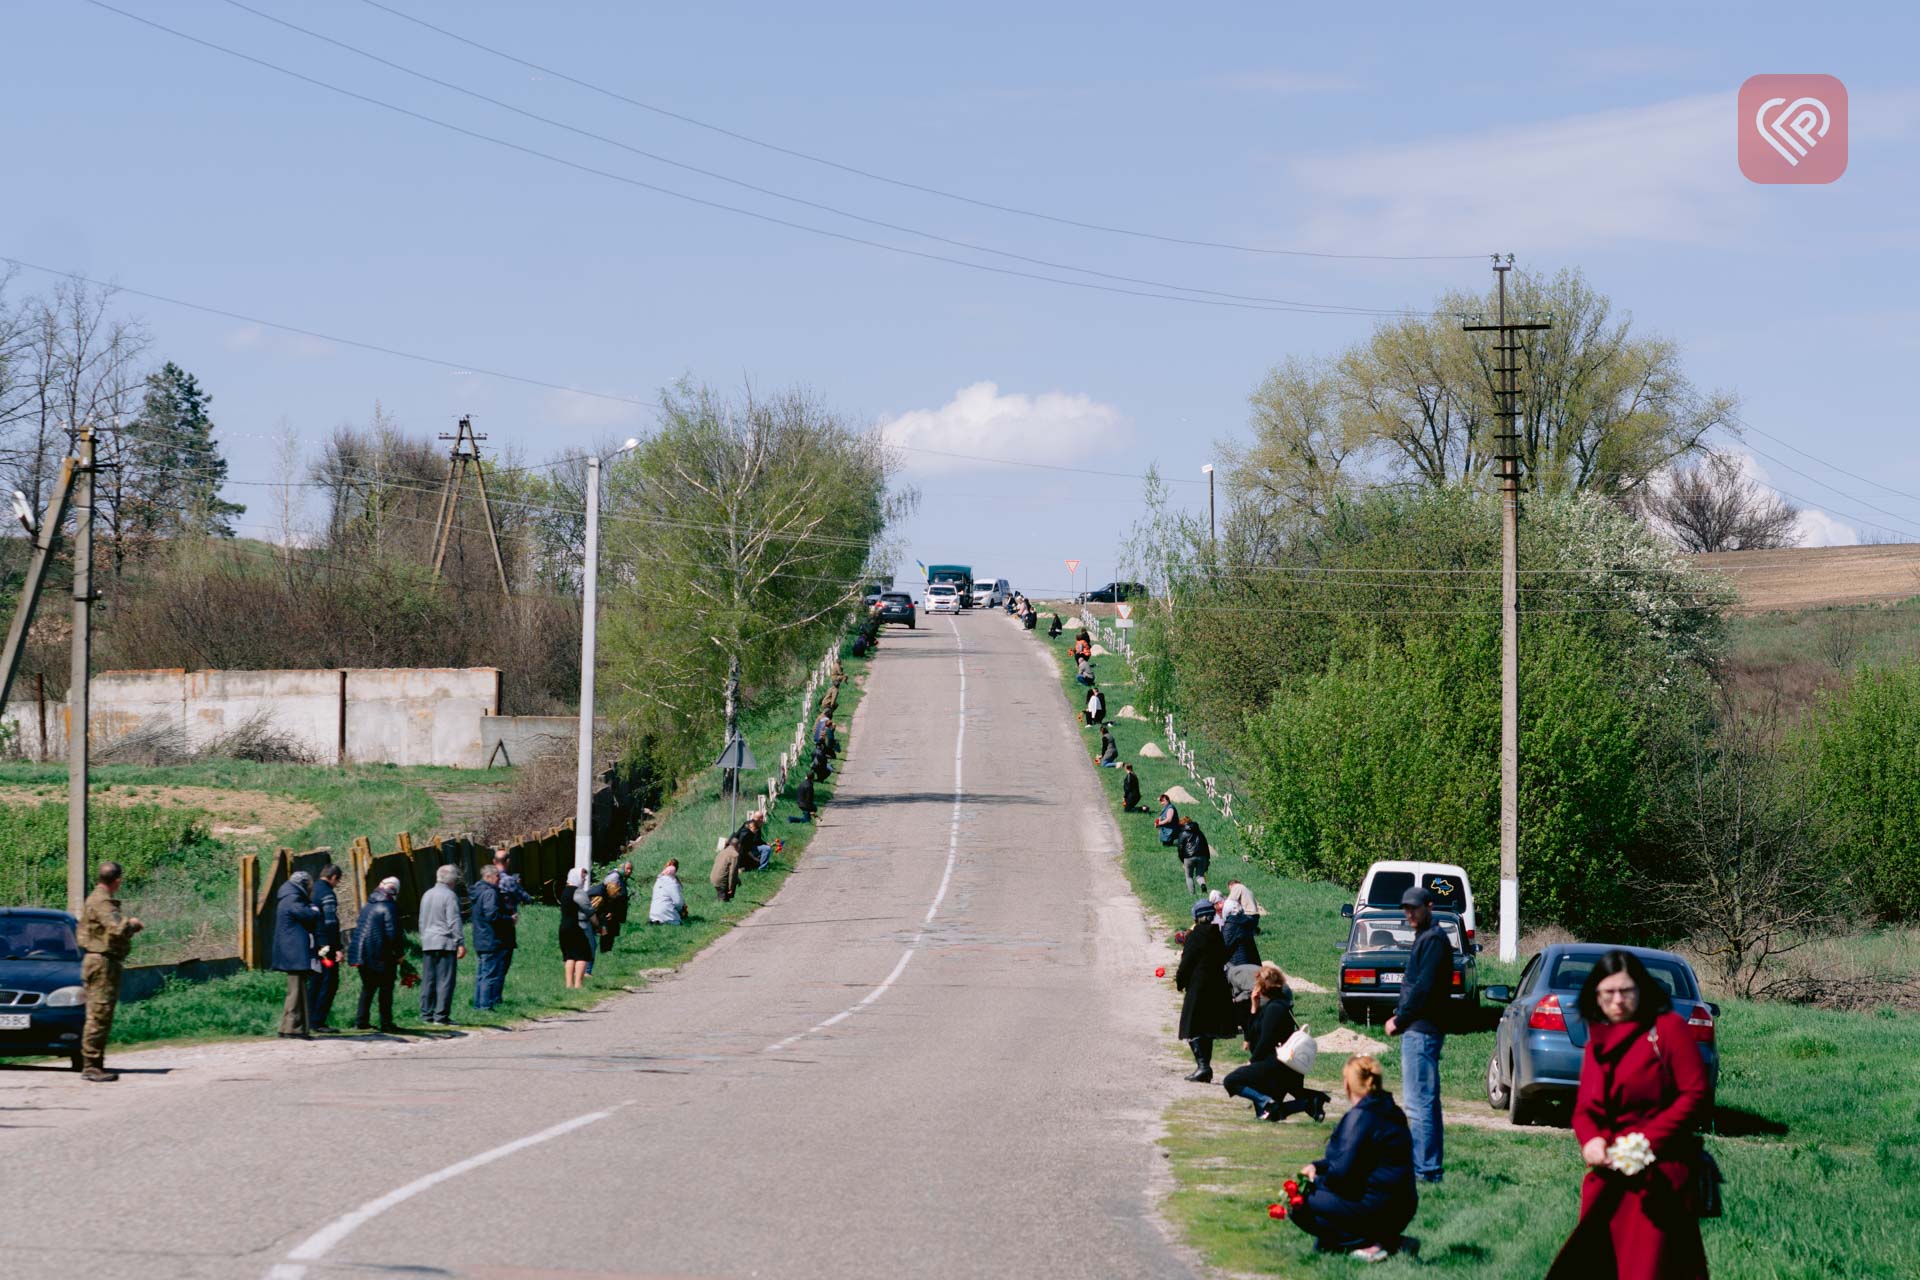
[1360, 1196]
[1643, 1090]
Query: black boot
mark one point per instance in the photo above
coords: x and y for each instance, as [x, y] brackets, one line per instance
[1202, 1060]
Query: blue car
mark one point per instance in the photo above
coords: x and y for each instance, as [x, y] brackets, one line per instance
[1542, 1038]
[42, 1005]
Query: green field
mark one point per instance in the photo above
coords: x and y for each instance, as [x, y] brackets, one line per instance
[1817, 1126]
[248, 1004]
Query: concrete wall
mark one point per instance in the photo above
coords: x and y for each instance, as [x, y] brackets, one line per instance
[428, 715]
[524, 739]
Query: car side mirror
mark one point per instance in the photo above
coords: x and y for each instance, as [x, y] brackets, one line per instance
[1497, 995]
[1475, 947]
[1713, 1008]
[1346, 911]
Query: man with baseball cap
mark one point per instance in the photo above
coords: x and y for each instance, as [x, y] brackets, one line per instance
[1420, 1020]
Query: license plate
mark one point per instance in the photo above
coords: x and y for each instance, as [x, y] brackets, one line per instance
[1390, 979]
[15, 1021]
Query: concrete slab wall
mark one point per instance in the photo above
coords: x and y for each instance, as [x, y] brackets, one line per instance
[524, 739]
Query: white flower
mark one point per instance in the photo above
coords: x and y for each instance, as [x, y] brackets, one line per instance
[1630, 1154]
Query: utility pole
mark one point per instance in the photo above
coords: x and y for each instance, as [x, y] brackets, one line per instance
[77, 680]
[589, 640]
[1507, 409]
[466, 449]
[1213, 536]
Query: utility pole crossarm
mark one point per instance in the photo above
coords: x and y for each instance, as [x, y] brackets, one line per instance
[47, 535]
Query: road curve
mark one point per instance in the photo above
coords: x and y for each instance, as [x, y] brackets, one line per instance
[935, 1053]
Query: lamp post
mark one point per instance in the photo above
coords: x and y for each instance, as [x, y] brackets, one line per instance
[589, 614]
[1213, 536]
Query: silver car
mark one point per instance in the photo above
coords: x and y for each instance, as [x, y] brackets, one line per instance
[1542, 1038]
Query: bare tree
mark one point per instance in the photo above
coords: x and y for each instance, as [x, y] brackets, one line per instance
[1714, 506]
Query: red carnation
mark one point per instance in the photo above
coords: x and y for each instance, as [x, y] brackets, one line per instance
[1276, 1211]
[1290, 1187]
[1161, 972]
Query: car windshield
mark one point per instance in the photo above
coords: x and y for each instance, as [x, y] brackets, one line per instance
[1570, 972]
[37, 938]
[939, 591]
[1387, 886]
[1387, 933]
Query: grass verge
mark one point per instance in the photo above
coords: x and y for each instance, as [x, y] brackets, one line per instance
[1817, 1125]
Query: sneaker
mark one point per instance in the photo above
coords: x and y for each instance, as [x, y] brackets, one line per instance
[1372, 1253]
[99, 1075]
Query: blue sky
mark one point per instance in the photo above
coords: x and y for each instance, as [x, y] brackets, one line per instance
[170, 168]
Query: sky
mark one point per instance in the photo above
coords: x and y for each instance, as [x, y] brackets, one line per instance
[1600, 137]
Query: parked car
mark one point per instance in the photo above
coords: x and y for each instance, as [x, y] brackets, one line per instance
[943, 597]
[1542, 1038]
[43, 1007]
[1114, 592]
[897, 606]
[1385, 881]
[990, 593]
[1374, 962]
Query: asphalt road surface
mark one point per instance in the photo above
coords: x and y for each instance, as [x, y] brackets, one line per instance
[936, 1053]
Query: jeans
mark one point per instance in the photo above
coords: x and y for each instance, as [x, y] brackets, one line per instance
[1196, 869]
[491, 981]
[438, 970]
[1420, 1095]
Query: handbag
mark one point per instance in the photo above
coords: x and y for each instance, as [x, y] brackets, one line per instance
[1299, 1052]
[1702, 1189]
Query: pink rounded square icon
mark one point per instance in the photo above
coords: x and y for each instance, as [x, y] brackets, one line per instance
[1793, 128]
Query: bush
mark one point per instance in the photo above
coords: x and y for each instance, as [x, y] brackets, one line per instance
[1863, 754]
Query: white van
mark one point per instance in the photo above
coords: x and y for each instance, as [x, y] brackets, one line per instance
[1386, 881]
[990, 593]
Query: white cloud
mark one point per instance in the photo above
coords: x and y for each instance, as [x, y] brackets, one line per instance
[1818, 529]
[1054, 427]
[259, 338]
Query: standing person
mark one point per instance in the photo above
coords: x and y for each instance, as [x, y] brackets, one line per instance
[1641, 1074]
[377, 947]
[513, 896]
[1266, 1081]
[294, 920]
[106, 936]
[442, 947]
[725, 876]
[1206, 1014]
[1195, 855]
[326, 979]
[1420, 1019]
[1363, 1195]
[803, 796]
[576, 917]
[494, 938]
[669, 905]
[1167, 825]
[1129, 789]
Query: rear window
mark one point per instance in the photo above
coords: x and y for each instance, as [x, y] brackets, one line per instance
[1448, 893]
[1570, 973]
[1395, 935]
[37, 938]
[894, 597]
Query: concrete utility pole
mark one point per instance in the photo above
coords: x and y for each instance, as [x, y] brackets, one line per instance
[1507, 366]
[1213, 536]
[77, 680]
[589, 618]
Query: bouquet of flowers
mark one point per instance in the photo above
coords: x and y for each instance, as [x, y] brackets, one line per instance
[1630, 1154]
[409, 976]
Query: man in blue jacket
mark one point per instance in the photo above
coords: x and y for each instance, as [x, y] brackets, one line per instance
[1420, 1019]
[377, 949]
[294, 920]
[494, 938]
[326, 980]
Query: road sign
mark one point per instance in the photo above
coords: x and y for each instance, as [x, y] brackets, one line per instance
[1123, 623]
[738, 755]
[1124, 610]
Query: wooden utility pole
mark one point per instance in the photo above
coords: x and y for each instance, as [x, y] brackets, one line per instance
[77, 680]
[466, 450]
[1507, 409]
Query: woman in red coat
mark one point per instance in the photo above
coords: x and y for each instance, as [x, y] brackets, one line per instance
[1642, 1074]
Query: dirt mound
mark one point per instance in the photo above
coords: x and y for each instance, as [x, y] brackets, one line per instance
[232, 813]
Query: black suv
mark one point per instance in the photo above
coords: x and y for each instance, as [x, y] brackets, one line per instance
[896, 606]
[1114, 593]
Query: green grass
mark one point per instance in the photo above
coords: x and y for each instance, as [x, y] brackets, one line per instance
[1818, 1112]
[248, 1004]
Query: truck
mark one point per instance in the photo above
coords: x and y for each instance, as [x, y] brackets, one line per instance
[957, 576]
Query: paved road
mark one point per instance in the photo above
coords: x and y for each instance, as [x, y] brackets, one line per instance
[934, 1054]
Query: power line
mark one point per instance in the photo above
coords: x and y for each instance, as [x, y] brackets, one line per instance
[1322, 308]
[1852, 475]
[701, 200]
[903, 183]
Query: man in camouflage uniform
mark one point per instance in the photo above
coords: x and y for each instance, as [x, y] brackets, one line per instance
[106, 936]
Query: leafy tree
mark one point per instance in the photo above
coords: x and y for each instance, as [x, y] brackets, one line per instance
[174, 467]
[1863, 746]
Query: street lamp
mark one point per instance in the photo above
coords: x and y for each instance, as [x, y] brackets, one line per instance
[589, 613]
[1212, 536]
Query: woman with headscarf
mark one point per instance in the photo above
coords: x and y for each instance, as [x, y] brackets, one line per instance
[1206, 1014]
[669, 904]
[576, 924]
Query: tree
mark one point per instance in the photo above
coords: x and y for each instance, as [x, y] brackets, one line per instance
[174, 469]
[1301, 441]
[1714, 505]
[1863, 750]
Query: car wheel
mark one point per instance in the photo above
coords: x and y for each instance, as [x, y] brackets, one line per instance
[1499, 1092]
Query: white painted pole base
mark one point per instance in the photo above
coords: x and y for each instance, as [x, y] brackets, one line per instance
[1509, 920]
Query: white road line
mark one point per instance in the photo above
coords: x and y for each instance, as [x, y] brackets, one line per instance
[946, 877]
[323, 1241]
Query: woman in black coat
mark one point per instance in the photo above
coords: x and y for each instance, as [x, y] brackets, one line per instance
[1363, 1193]
[1275, 1089]
[1207, 1012]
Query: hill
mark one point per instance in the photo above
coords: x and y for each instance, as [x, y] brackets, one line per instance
[1818, 577]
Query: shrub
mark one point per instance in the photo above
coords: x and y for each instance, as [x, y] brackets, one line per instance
[1863, 753]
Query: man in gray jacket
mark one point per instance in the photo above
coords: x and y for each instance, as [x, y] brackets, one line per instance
[442, 946]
